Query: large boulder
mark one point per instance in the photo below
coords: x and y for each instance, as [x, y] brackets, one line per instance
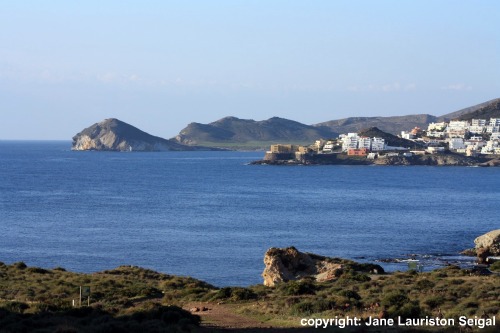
[488, 244]
[288, 264]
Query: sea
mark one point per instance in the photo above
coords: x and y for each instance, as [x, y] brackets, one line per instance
[212, 215]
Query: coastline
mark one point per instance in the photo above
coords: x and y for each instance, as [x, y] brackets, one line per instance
[135, 299]
[446, 159]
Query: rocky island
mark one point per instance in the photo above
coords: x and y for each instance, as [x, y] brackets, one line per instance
[115, 135]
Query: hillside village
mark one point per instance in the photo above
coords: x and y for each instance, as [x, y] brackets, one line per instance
[478, 137]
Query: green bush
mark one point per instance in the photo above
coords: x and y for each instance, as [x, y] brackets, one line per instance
[296, 288]
[352, 275]
[495, 266]
[350, 294]
[408, 310]
[37, 270]
[396, 299]
[434, 301]
[424, 284]
[16, 307]
[457, 281]
[310, 307]
[242, 294]
[19, 265]
[235, 293]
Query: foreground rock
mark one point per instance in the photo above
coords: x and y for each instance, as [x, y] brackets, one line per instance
[115, 135]
[290, 264]
[488, 245]
[485, 245]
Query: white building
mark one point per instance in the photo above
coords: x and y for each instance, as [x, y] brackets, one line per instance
[435, 134]
[490, 148]
[378, 144]
[350, 141]
[407, 135]
[478, 122]
[364, 142]
[492, 129]
[436, 127]
[458, 125]
[457, 128]
[475, 143]
[456, 143]
[434, 150]
[494, 121]
[328, 146]
[353, 141]
[476, 129]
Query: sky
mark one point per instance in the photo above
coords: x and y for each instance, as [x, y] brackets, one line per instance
[160, 65]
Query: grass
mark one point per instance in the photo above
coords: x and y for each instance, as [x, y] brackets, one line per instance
[38, 299]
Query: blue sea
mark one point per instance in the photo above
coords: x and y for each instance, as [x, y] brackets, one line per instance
[212, 216]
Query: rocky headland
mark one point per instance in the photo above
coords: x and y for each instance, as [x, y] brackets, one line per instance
[444, 159]
[115, 135]
[447, 159]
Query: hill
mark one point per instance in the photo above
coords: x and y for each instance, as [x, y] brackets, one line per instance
[134, 299]
[235, 132]
[392, 125]
[390, 139]
[469, 113]
[490, 110]
[115, 135]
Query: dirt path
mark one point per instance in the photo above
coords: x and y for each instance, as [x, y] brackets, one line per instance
[222, 316]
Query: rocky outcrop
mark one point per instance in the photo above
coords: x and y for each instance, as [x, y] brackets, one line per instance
[493, 162]
[289, 264]
[488, 245]
[447, 159]
[485, 245]
[115, 135]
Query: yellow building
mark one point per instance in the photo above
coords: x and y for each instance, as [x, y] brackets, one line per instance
[279, 148]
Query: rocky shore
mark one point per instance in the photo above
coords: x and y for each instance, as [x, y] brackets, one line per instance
[296, 285]
[445, 159]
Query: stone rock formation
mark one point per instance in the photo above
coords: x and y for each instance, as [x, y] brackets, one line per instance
[115, 135]
[290, 264]
[488, 245]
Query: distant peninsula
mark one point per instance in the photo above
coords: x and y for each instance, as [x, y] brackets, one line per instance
[115, 135]
[375, 147]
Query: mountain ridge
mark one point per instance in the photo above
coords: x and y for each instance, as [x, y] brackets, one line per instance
[238, 132]
[233, 130]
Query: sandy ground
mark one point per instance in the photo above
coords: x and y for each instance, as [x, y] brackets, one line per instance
[222, 316]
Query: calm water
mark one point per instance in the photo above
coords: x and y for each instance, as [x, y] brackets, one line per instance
[211, 216]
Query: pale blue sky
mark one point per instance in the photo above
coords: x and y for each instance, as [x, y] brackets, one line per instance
[160, 65]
